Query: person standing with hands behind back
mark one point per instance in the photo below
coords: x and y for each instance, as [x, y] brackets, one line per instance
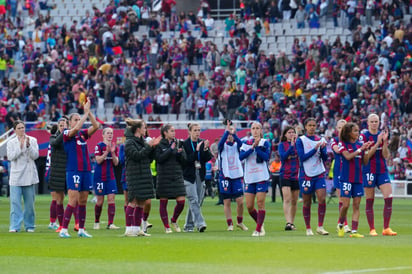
[194, 171]
[21, 152]
[256, 153]
[78, 169]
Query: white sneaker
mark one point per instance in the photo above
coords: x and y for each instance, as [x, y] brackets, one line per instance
[130, 232]
[321, 231]
[113, 227]
[230, 228]
[168, 230]
[262, 232]
[256, 233]
[64, 234]
[176, 227]
[142, 233]
[84, 234]
[347, 229]
[243, 227]
[96, 226]
[30, 230]
[53, 226]
[309, 232]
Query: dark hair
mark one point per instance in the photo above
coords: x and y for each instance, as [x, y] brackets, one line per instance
[134, 124]
[191, 125]
[345, 132]
[287, 128]
[17, 122]
[165, 128]
[311, 119]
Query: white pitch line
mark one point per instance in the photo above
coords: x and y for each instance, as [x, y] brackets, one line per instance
[370, 270]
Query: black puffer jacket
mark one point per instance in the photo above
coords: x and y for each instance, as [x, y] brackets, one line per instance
[169, 166]
[58, 160]
[139, 155]
[189, 171]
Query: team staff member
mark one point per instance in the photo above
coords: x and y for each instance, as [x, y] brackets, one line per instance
[57, 172]
[104, 181]
[139, 155]
[78, 168]
[170, 158]
[375, 173]
[256, 153]
[21, 152]
[230, 175]
[289, 175]
[337, 167]
[353, 154]
[312, 155]
[197, 155]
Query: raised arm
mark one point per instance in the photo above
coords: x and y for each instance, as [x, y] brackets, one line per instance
[95, 125]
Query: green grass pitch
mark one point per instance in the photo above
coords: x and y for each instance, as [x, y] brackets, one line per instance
[215, 251]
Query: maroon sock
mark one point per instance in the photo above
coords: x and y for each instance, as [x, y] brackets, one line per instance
[163, 213]
[345, 222]
[369, 213]
[260, 219]
[239, 220]
[355, 225]
[97, 213]
[342, 220]
[67, 215]
[60, 213]
[145, 216]
[180, 205]
[111, 210]
[82, 215]
[129, 216]
[321, 213]
[387, 212]
[125, 212]
[53, 212]
[229, 222]
[138, 213]
[306, 216]
[76, 214]
[254, 214]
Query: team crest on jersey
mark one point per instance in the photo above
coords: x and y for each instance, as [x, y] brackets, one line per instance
[76, 185]
[100, 191]
[306, 189]
[346, 192]
[370, 183]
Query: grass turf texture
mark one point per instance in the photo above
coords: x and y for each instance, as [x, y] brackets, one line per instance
[215, 251]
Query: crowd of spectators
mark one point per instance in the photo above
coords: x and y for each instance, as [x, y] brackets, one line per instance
[103, 58]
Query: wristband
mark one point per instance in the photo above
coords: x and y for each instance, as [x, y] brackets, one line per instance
[359, 150]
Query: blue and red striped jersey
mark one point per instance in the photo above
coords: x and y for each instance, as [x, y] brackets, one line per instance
[122, 162]
[337, 156]
[77, 153]
[104, 171]
[351, 170]
[290, 161]
[377, 164]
